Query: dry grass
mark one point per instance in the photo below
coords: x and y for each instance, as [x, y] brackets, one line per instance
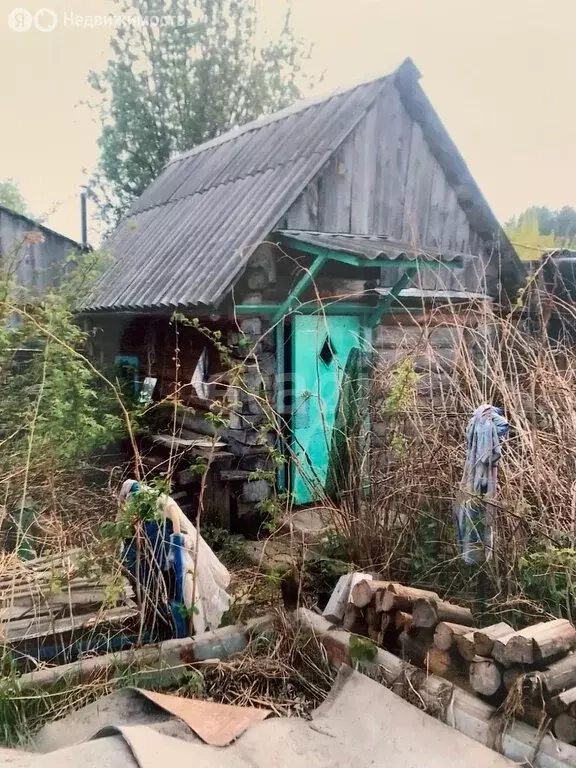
[404, 525]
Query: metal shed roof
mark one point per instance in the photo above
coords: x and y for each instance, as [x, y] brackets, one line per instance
[193, 230]
[189, 236]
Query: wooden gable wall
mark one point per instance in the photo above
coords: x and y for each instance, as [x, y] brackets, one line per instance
[384, 180]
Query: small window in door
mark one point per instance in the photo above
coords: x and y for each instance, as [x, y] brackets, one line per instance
[327, 352]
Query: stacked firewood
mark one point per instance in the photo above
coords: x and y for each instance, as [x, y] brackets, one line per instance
[536, 662]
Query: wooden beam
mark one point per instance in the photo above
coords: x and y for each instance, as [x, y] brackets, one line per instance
[403, 281]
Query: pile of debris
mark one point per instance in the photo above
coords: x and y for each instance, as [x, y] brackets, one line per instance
[532, 669]
[52, 607]
[186, 441]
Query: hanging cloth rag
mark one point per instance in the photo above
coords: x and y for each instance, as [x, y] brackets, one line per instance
[474, 513]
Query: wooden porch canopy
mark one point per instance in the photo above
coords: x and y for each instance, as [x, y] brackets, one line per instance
[361, 251]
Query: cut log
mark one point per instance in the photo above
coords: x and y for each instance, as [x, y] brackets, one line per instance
[447, 634]
[499, 648]
[363, 592]
[428, 613]
[466, 645]
[438, 662]
[510, 675]
[466, 712]
[485, 676]
[372, 618]
[402, 620]
[377, 630]
[564, 727]
[535, 716]
[563, 702]
[353, 620]
[415, 646]
[555, 677]
[171, 656]
[340, 597]
[484, 638]
[540, 642]
[397, 597]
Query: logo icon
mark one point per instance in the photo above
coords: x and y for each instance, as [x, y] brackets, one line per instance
[20, 20]
[45, 20]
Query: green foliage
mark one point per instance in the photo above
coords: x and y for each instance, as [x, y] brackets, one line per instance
[401, 392]
[549, 577]
[538, 229]
[185, 611]
[272, 509]
[168, 88]
[56, 410]
[140, 507]
[363, 652]
[199, 466]
[11, 197]
[230, 549]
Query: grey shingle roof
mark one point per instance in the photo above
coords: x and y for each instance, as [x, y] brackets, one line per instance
[192, 231]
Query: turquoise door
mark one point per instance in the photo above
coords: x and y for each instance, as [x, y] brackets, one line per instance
[321, 346]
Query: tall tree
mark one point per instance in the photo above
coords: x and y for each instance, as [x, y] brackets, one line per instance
[172, 85]
[11, 197]
[539, 228]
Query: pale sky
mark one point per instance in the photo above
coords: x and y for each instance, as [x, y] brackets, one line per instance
[500, 73]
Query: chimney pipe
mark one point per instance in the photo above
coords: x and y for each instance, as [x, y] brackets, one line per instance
[84, 218]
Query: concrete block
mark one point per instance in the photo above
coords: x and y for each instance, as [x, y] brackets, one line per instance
[255, 490]
[251, 326]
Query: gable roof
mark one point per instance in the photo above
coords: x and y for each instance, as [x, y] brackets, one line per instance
[191, 233]
[36, 226]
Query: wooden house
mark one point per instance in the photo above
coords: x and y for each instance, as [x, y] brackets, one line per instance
[311, 234]
[31, 253]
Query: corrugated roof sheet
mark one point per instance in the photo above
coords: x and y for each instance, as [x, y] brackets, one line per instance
[191, 233]
[367, 246]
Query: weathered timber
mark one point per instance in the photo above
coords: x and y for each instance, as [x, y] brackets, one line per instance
[466, 645]
[363, 592]
[400, 598]
[540, 642]
[417, 648]
[447, 633]
[414, 647]
[33, 628]
[438, 662]
[499, 648]
[353, 620]
[535, 716]
[510, 675]
[341, 595]
[485, 676]
[564, 727]
[428, 613]
[466, 712]
[555, 677]
[402, 620]
[563, 702]
[484, 638]
[385, 622]
[372, 618]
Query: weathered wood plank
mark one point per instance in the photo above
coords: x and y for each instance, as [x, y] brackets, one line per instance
[387, 183]
[410, 218]
[364, 174]
[335, 190]
[303, 214]
[436, 210]
[399, 176]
